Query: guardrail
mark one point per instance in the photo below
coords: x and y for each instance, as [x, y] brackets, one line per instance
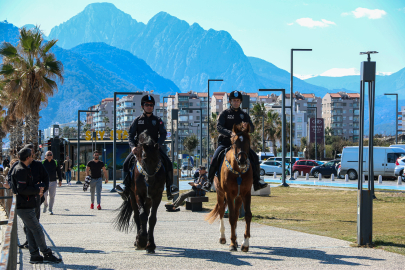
[8, 259]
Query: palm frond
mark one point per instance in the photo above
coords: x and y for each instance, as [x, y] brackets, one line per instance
[48, 46]
[8, 50]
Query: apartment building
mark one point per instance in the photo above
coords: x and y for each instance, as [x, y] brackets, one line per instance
[218, 102]
[189, 121]
[268, 99]
[340, 112]
[128, 108]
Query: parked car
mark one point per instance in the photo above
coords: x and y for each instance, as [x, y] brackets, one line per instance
[304, 166]
[265, 155]
[287, 159]
[326, 169]
[271, 167]
[384, 161]
[400, 165]
[186, 166]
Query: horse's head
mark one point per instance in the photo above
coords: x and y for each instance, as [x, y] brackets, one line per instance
[148, 153]
[241, 143]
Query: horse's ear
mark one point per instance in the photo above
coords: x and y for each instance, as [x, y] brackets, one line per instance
[156, 145]
[234, 129]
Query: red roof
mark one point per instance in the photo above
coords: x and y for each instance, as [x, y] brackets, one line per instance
[252, 94]
[308, 95]
[202, 94]
[219, 93]
[354, 95]
[335, 95]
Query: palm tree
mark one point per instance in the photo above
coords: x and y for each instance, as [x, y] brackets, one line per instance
[28, 74]
[2, 132]
[105, 121]
[273, 128]
[257, 112]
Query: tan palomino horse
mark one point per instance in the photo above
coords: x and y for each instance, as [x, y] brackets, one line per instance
[234, 187]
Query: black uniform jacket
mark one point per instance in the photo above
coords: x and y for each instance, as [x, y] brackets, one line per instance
[227, 119]
[26, 188]
[153, 124]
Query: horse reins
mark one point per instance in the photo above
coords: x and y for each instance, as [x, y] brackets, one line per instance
[146, 174]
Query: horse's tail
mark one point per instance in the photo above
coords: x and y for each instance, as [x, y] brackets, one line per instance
[213, 215]
[122, 221]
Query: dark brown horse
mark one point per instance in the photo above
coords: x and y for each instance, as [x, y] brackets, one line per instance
[232, 191]
[146, 194]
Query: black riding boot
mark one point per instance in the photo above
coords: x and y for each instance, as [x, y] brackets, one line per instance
[257, 182]
[211, 175]
[125, 187]
[171, 189]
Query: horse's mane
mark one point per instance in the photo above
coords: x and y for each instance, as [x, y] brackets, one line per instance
[238, 129]
[144, 138]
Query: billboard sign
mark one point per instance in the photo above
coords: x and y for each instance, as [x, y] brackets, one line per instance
[320, 128]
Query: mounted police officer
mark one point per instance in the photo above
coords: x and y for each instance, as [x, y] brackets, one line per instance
[229, 117]
[157, 130]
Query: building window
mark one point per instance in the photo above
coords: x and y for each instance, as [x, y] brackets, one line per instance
[350, 118]
[299, 119]
[344, 111]
[344, 118]
[299, 135]
[299, 127]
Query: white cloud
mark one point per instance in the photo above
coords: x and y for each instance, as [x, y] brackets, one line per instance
[402, 9]
[310, 23]
[290, 23]
[365, 12]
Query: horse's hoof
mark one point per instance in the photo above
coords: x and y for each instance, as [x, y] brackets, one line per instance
[232, 248]
[139, 248]
[222, 241]
[236, 244]
[150, 251]
[244, 249]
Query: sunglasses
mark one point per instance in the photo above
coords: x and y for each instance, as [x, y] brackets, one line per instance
[148, 105]
[49, 155]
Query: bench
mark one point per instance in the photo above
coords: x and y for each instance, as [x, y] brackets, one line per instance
[195, 203]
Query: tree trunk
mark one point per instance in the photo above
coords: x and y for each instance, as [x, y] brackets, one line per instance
[19, 135]
[34, 125]
[27, 135]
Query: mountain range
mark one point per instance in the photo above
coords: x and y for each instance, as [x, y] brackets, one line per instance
[104, 50]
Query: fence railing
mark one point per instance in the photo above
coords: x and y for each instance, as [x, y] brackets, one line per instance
[8, 259]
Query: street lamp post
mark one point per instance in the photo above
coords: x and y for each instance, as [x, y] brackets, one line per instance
[283, 135]
[292, 101]
[396, 115]
[208, 119]
[78, 143]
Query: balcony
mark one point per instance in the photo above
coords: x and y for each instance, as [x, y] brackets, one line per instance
[337, 119]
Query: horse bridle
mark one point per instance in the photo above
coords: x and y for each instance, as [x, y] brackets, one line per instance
[240, 152]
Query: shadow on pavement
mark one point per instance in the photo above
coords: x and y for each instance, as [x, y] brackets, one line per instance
[76, 250]
[225, 257]
[87, 267]
[314, 254]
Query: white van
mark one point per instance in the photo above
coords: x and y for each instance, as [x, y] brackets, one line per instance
[398, 146]
[265, 155]
[384, 161]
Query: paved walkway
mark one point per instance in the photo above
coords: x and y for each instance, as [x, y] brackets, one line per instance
[86, 239]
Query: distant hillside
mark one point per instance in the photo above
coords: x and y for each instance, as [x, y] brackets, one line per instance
[87, 82]
[186, 54]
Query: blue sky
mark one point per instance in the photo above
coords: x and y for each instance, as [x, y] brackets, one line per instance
[336, 30]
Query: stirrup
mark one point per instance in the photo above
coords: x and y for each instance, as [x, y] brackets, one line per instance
[120, 188]
[207, 187]
[174, 190]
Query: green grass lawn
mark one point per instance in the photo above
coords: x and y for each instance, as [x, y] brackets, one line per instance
[330, 213]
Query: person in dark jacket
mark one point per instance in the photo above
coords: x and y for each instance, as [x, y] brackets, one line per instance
[157, 130]
[53, 169]
[39, 175]
[27, 191]
[6, 163]
[229, 117]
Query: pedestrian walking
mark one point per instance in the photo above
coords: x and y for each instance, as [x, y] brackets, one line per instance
[51, 166]
[67, 168]
[27, 190]
[93, 169]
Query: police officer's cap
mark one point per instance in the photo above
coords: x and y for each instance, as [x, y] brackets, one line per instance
[236, 95]
[147, 98]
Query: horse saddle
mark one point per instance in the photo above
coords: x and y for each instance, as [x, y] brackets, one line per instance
[221, 158]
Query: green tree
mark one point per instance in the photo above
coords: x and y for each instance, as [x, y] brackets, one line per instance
[105, 120]
[190, 143]
[213, 132]
[28, 78]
